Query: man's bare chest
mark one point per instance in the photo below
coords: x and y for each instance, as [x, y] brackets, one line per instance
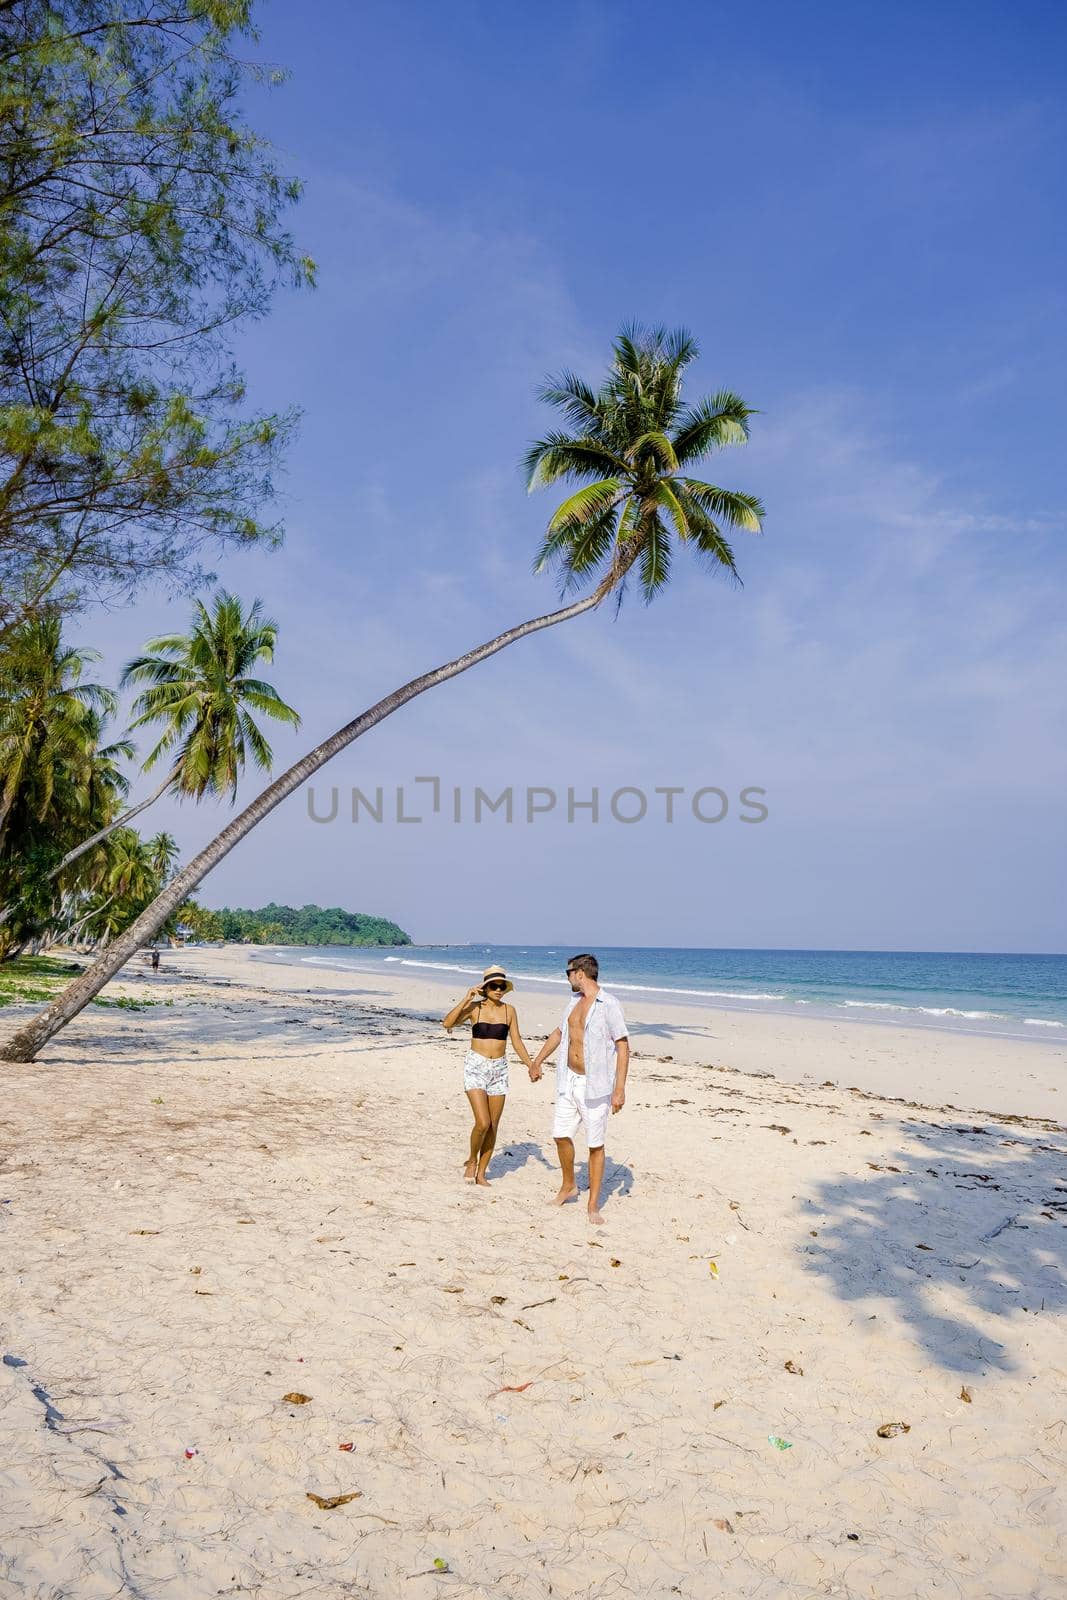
[576, 1029]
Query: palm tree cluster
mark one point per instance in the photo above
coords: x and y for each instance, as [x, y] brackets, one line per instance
[71, 865]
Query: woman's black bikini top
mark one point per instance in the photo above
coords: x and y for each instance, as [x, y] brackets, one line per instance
[491, 1030]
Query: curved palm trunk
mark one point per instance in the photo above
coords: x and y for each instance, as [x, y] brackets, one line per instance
[87, 844]
[25, 1044]
[119, 822]
[72, 931]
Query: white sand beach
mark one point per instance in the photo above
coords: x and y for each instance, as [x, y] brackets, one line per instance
[254, 1192]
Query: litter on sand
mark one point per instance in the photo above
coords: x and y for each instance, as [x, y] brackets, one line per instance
[889, 1430]
[515, 1388]
[797, 1372]
[346, 1447]
[965, 1394]
[713, 1269]
[778, 1443]
[296, 1398]
[330, 1502]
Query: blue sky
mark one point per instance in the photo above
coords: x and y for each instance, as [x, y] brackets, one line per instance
[860, 212]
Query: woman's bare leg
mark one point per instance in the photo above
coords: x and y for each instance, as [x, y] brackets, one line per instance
[496, 1109]
[482, 1125]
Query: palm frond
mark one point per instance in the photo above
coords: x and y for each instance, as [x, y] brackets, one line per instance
[656, 444]
[578, 403]
[728, 505]
[585, 503]
[587, 550]
[712, 424]
[655, 558]
[674, 507]
[559, 455]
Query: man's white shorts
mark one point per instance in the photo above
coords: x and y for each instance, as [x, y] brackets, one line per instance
[575, 1109]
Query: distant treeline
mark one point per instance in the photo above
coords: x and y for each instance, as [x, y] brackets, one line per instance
[286, 925]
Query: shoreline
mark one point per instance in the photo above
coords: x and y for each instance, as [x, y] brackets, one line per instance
[1025, 1030]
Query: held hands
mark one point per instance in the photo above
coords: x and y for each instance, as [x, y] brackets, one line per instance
[534, 1069]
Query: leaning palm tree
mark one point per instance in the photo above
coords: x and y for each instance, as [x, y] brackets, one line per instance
[629, 448]
[200, 687]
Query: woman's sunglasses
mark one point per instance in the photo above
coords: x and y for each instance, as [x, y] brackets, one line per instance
[496, 986]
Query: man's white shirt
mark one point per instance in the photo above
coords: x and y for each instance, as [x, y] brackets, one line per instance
[604, 1024]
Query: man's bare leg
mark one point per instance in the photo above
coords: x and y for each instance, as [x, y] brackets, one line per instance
[496, 1107]
[568, 1189]
[482, 1123]
[596, 1178]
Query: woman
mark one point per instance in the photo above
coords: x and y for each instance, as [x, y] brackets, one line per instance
[485, 1070]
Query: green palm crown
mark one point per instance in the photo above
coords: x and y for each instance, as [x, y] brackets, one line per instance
[201, 688]
[633, 443]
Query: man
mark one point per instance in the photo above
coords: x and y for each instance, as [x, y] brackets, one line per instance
[592, 1081]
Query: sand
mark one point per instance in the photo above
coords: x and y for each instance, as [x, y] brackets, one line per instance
[255, 1192]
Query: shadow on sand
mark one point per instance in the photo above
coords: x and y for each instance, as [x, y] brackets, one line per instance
[960, 1225]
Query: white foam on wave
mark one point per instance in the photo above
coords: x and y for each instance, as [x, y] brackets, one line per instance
[636, 988]
[336, 965]
[1041, 1022]
[927, 1011]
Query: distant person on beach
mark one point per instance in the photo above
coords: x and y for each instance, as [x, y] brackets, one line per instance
[592, 1082]
[155, 960]
[485, 1069]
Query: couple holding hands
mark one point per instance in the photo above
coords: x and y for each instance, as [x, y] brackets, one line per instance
[590, 1084]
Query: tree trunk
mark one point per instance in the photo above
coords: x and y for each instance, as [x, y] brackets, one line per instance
[87, 844]
[119, 822]
[24, 1045]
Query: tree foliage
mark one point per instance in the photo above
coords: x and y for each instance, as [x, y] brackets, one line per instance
[200, 687]
[631, 445]
[274, 924]
[140, 224]
[68, 857]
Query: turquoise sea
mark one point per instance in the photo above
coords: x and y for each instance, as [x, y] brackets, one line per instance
[1020, 996]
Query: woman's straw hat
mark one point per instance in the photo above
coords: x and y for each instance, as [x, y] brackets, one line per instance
[496, 972]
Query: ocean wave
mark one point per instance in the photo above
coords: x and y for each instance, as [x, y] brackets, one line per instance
[636, 988]
[928, 1011]
[1041, 1022]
